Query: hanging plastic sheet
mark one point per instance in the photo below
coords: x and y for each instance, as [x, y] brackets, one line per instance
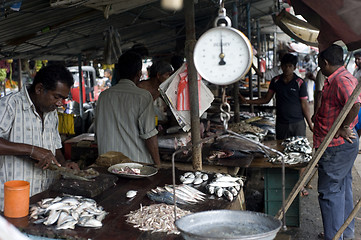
[112, 49]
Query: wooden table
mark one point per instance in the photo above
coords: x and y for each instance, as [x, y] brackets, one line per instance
[117, 205]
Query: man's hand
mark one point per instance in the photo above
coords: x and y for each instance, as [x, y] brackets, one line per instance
[346, 133]
[44, 157]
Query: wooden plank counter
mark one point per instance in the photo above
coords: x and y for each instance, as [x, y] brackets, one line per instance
[117, 205]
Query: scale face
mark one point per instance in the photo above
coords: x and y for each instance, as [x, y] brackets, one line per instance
[223, 55]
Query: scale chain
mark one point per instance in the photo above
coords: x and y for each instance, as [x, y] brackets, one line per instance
[225, 109]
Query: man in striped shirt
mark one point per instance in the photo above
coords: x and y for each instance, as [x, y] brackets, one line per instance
[29, 137]
[335, 165]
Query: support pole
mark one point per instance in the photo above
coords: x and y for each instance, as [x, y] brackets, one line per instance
[258, 59]
[311, 165]
[348, 220]
[236, 117]
[192, 84]
[249, 35]
[80, 92]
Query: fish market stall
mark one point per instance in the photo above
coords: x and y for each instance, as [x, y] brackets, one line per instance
[119, 210]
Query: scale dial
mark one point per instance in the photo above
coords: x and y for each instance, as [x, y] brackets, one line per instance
[223, 55]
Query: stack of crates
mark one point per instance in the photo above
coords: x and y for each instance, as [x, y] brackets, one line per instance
[273, 194]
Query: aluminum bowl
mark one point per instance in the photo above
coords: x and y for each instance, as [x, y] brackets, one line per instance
[228, 224]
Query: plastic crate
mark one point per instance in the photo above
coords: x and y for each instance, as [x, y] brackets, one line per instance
[273, 194]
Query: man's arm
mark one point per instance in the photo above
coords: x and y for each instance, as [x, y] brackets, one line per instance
[152, 146]
[266, 99]
[306, 113]
[44, 157]
[345, 131]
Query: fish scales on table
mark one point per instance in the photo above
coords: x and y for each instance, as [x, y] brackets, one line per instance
[67, 212]
[156, 218]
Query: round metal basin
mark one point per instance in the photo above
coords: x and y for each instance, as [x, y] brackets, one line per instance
[228, 224]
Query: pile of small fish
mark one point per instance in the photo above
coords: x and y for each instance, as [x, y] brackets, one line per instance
[297, 150]
[195, 178]
[68, 211]
[184, 194]
[225, 185]
[156, 218]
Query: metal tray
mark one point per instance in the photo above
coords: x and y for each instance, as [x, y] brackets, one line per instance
[228, 224]
[145, 171]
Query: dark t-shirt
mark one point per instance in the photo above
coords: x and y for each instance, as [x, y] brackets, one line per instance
[288, 98]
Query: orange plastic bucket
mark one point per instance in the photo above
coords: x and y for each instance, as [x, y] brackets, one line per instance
[16, 198]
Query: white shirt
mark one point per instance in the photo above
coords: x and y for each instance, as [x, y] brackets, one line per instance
[124, 119]
[20, 123]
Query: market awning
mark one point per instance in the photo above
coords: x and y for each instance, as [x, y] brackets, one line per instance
[336, 19]
[296, 28]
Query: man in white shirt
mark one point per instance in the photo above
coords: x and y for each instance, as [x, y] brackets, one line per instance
[29, 137]
[125, 118]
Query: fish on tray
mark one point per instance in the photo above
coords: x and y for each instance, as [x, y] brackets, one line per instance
[68, 211]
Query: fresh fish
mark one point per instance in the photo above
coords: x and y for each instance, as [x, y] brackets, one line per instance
[188, 180]
[205, 177]
[226, 179]
[156, 218]
[219, 191]
[131, 193]
[228, 195]
[164, 197]
[63, 218]
[66, 211]
[189, 174]
[198, 180]
[89, 222]
[233, 191]
[224, 184]
[182, 178]
[53, 217]
[67, 225]
[210, 189]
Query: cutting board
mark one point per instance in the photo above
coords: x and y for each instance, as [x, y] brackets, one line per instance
[88, 189]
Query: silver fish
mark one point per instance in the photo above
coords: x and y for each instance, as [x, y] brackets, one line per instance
[228, 195]
[68, 225]
[53, 217]
[219, 191]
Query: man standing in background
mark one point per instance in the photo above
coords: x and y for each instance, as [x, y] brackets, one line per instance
[335, 166]
[125, 118]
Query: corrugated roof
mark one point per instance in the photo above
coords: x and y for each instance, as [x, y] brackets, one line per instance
[39, 31]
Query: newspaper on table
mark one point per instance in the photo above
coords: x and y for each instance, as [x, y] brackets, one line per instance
[169, 92]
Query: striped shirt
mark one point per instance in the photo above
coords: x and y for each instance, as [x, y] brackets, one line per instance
[336, 91]
[124, 119]
[20, 123]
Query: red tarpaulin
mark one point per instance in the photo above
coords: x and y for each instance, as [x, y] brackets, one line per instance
[336, 19]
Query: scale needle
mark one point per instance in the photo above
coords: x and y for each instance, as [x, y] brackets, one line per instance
[221, 55]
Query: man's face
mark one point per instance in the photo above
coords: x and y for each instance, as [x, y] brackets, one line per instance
[323, 66]
[49, 100]
[358, 60]
[288, 69]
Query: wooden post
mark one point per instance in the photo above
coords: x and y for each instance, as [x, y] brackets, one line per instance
[348, 220]
[311, 165]
[236, 117]
[192, 84]
[249, 35]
